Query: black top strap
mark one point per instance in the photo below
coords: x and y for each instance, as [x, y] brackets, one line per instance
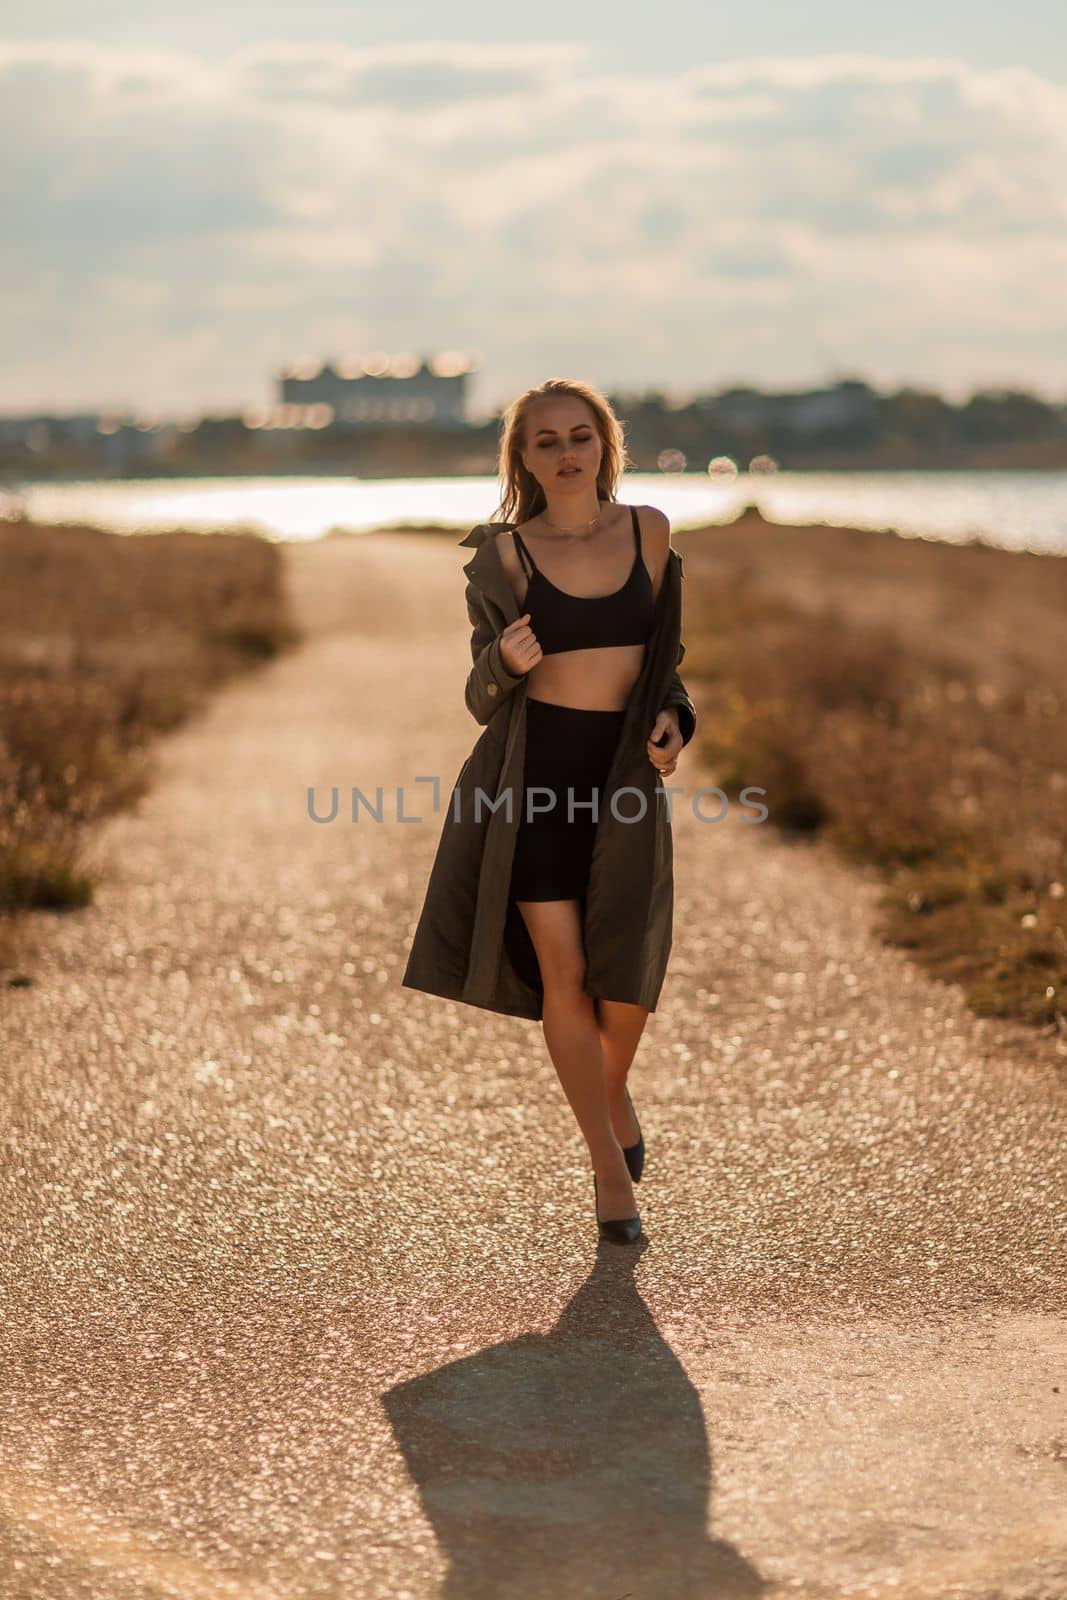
[524, 553]
[526, 557]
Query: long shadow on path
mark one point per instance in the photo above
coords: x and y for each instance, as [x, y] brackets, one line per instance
[570, 1464]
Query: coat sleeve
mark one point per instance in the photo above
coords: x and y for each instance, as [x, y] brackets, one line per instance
[678, 696]
[489, 682]
[677, 693]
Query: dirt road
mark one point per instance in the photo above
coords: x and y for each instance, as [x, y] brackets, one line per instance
[300, 1286]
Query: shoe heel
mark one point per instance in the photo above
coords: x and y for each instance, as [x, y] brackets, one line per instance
[619, 1230]
[635, 1153]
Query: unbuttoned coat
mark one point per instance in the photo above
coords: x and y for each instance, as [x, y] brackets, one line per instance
[469, 930]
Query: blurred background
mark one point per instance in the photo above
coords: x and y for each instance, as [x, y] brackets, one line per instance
[273, 272]
[330, 242]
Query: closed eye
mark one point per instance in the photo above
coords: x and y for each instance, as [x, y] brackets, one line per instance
[579, 438]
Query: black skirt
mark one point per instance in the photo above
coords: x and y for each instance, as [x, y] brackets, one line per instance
[569, 752]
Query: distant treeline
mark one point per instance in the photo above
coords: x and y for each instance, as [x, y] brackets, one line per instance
[846, 426]
[852, 426]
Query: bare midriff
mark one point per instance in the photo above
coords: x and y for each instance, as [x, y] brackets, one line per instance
[600, 679]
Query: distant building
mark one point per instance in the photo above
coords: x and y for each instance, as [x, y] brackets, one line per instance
[745, 408]
[848, 404]
[43, 431]
[379, 388]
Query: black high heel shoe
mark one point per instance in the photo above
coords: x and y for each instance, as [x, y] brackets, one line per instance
[635, 1153]
[620, 1230]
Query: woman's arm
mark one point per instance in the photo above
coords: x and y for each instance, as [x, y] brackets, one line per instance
[489, 682]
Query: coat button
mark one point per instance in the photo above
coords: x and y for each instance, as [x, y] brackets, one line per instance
[492, 688]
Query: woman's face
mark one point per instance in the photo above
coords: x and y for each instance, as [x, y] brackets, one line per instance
[561, 435]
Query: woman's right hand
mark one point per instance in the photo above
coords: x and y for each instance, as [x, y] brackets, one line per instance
[519, 649]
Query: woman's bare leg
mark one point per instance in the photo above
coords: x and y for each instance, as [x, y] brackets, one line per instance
[620, 1026]
[573, 1040]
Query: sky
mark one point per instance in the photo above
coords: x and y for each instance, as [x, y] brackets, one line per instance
[674, 196]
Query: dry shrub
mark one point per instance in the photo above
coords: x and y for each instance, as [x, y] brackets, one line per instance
[904, 753]
[105, 641]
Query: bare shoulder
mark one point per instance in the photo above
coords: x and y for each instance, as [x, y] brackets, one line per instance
[655, 527]
[509, 559]
[513, 569]
[655, 543]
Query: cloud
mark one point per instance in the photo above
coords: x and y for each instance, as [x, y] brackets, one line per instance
[295, 199]
[405, 79]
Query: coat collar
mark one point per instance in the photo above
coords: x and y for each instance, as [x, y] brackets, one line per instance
[482, 531]
[484, 568]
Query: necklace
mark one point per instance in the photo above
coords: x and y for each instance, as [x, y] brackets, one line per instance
[585, 528]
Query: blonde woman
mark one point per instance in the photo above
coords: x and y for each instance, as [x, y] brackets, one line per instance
[551, 894]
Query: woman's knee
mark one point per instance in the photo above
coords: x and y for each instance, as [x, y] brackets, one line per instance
[563, 971]
[557, 939]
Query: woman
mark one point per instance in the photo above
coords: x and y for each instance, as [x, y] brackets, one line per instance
[559, 905]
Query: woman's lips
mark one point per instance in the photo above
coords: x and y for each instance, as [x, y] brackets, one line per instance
[570, 472]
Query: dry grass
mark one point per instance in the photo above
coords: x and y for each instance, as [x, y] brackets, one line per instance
[106, 640]
[905, 699]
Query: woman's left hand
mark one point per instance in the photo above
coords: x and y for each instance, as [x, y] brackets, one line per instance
[664, 757]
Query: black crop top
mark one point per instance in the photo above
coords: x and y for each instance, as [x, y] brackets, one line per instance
[563, 621]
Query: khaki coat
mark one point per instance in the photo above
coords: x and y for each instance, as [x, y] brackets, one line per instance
[471, 943]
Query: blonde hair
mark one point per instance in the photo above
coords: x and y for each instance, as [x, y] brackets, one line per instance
[522, 497]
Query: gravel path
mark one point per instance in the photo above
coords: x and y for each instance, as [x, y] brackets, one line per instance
[300, 1287]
